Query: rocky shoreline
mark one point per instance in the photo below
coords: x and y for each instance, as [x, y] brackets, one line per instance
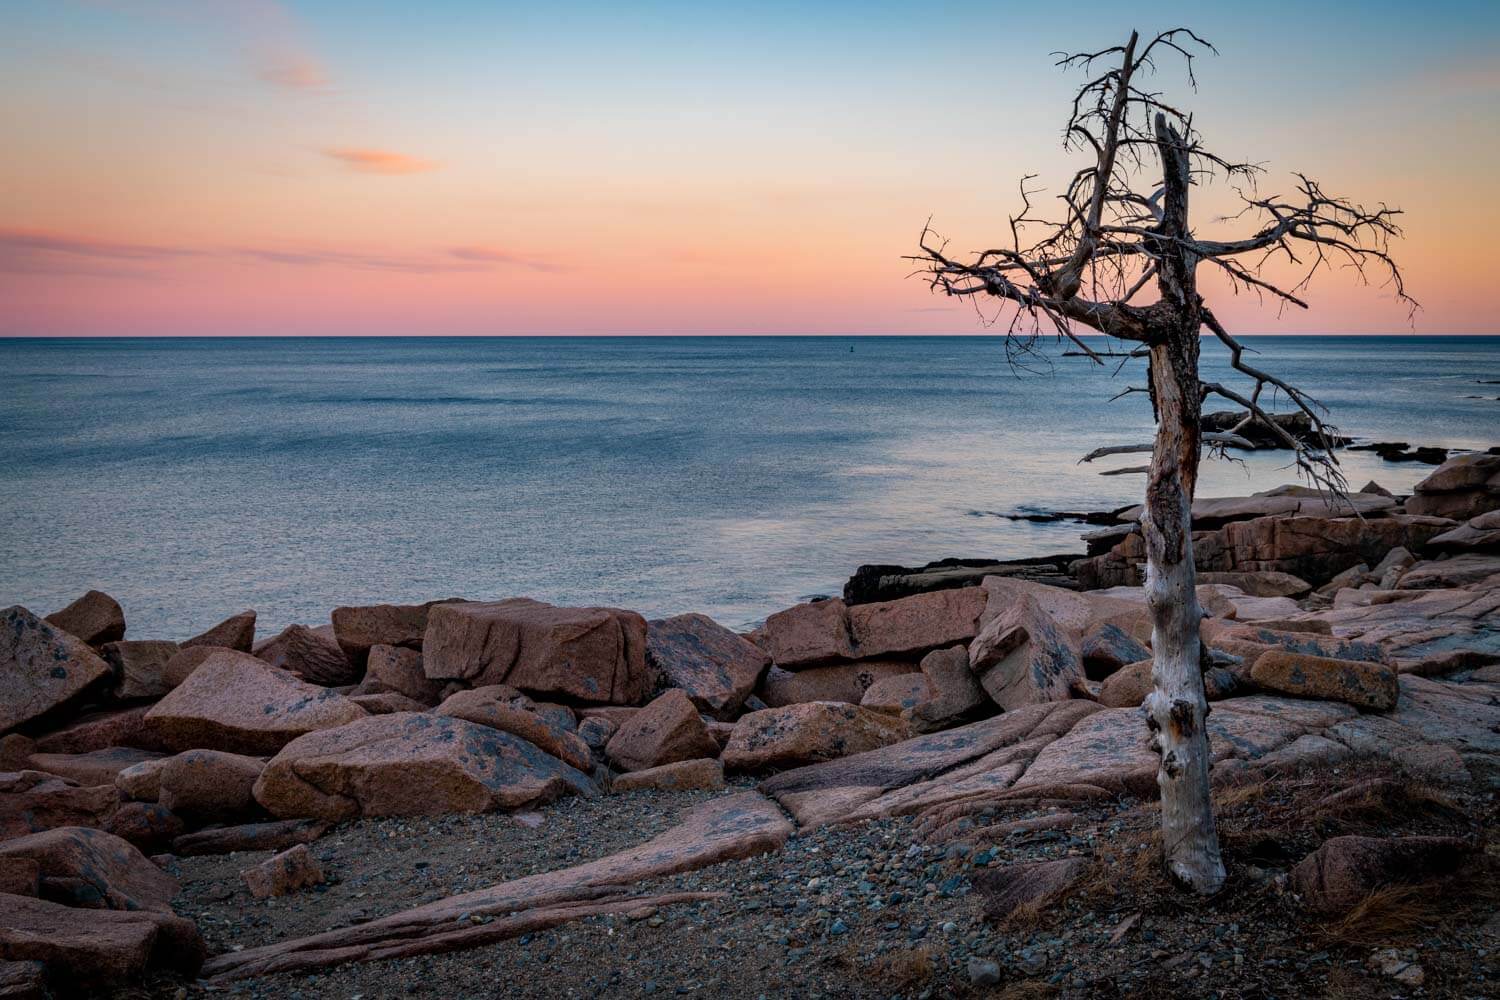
[936, 785]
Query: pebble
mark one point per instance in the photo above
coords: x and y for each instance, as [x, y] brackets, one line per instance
[983, 972]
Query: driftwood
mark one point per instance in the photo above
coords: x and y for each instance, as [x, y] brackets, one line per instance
[724, 829]
[1121, 258]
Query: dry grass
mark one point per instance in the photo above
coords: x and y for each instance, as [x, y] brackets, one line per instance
[1345, 983]
[1395, 914]
[1126, 866]
[902, 969]
[1028, 989]
[1387, 915]
[1381, 804]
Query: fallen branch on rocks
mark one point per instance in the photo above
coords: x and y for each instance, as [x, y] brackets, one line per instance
[739, 826]
[472, 935]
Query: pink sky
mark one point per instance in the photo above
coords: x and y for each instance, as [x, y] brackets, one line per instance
[249, 167]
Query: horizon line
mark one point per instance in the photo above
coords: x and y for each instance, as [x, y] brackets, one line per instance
[647, 336]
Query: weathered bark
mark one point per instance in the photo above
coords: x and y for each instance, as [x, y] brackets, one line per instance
[1176, 709]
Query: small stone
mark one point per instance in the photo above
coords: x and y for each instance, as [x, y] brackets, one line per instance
[290, 870]
[983, 972]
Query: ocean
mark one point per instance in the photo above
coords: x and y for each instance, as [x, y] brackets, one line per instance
[194, 478]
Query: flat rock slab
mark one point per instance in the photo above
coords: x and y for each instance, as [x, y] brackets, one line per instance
[97, 767]
[33, 801]
[41, 667]
[96, 952]
[685, 774]
[1459, 571]
[94, 870]
[238, 703]
[1482, 532]
[1465, 717]
[124, 727]
[917, 624]
[824, 632]
[1357, 682]
[1071, 744]
[840, 790]
[273, 836]
[803, 734]
[1111, 748]
[1426, 631]
[411, 764]
[723, 829]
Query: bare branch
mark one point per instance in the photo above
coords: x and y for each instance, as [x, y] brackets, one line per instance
[1216, 438]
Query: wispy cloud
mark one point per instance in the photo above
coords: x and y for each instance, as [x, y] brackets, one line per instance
[379, 161]
[419, 264]
[40, 241]
[293, 70]
[493, 255]
[32, 251]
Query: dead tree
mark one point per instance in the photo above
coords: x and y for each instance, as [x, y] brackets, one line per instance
[1122, 232]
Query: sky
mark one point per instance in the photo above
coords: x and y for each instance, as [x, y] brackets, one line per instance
[454, 167]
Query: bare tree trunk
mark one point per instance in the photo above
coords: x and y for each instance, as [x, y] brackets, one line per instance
[1176, 709]
[1086, 267]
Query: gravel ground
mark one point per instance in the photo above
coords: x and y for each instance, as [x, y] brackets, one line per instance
[867, 911]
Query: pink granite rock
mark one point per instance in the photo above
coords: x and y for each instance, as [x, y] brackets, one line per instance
[717, 668]
[238, 703]
[410, 764]
[589, 654]
[664, 732]
[42, 667]
[311, 653]
[96, 618]
[236, 632]
[502, 707]
[803, 734]
[209, 785]
[292, 869]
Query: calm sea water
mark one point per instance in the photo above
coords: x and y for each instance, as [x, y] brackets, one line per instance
[195, 478]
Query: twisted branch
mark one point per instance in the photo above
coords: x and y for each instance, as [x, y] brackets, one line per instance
[1091, 266]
